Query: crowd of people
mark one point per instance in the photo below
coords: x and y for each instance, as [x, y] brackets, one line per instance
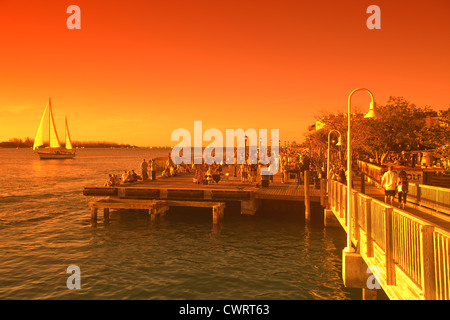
[294, 164]
[338, 174]
[126, 177]
[207, 173]
[130, 176]
[173, 170]
[289, 163]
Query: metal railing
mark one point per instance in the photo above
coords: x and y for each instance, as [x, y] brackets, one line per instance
[431, 197]
[410, 244]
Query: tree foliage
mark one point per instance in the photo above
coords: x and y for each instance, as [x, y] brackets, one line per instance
[402, 127]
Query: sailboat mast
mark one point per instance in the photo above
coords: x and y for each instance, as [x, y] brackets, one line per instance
[49, 119]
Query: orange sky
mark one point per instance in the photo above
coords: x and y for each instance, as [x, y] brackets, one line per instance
[137, 70]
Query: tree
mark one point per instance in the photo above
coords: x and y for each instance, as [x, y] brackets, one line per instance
[401, 127]
[398, 128]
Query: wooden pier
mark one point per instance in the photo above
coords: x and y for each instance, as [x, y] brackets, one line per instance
[182, 188]
[154, 207]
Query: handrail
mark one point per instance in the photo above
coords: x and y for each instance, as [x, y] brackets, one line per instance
[431, 197]
[411, 246]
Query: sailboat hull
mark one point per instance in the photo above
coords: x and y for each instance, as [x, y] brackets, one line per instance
[55, 154]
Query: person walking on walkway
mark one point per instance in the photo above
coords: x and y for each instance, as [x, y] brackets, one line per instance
[402, 188]
[389, 183]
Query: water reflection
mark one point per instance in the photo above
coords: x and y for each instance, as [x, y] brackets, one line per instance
[46, 222]
[50, 167]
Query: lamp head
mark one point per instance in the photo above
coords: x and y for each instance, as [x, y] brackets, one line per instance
[339, 143]
[372, 114]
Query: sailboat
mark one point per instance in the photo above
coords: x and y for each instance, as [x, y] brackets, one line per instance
[54, 150]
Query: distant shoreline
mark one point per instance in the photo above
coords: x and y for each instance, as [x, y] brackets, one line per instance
[86, 145]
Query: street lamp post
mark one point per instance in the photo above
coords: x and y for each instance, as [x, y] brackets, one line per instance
[371, 114]
[328, 155]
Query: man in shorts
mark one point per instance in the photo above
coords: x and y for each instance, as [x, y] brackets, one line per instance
[389, 183]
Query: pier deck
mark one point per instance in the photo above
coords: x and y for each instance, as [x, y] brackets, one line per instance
[182, 188]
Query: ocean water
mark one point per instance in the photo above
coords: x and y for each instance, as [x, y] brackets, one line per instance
[45, 228]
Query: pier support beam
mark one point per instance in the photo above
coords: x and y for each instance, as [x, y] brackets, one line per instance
[218, 214]
[307, 200]
[329, 219]
[93, 216]
[106, 215]
[250, 206]
[354, 270]
[369, 294]
[152, 212]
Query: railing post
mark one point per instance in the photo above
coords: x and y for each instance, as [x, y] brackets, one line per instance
[369, 248]
[340, 199]
[427, 262]
[390, 264]
[355, 215]
[329, 193]
[419, 193]
[324, 193]
[363, 183]
[323, 190]
[344, 204]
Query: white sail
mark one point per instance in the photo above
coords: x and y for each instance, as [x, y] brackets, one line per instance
[68, 142]
[54, 141]
[39, 140]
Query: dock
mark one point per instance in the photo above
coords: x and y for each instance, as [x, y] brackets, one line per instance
[230, 188]
[154, 208]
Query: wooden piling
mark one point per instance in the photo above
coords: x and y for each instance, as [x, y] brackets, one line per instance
[94, 216]
[307, 197]
[215, 215]
[106, 215]
[369, 294]
[152, 216]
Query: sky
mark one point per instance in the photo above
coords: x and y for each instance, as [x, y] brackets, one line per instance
[138, 70]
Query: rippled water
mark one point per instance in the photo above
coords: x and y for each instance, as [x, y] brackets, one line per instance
[45, 227]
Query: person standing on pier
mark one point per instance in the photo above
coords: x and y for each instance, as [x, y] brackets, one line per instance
[283, 170]
[144, 167]
[389, 183]
[341, 177]
[243, 173]
[153, 169]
